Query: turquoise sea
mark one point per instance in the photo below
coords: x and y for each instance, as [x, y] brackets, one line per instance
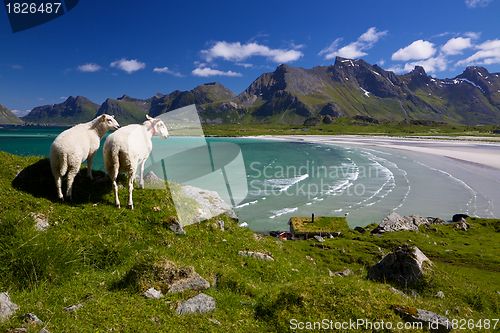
[285, 179]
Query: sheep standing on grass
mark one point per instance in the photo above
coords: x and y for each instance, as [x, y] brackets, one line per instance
[128, 148]
[75, 145]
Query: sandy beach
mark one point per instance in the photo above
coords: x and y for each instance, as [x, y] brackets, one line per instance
[476, 163]
[482, 152]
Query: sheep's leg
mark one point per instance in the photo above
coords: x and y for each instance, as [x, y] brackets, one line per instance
[59, 185]
[115, 188]
[141, 175]
[72, 171]
[130, 189]
[89, 166]
[113, 174]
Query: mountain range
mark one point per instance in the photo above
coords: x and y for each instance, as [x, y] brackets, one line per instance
[290, 95]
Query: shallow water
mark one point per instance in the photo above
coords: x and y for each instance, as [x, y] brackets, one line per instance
[285, 179]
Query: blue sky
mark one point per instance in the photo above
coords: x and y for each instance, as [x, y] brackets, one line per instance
[109, 48]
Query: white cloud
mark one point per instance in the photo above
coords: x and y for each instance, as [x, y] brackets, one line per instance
[128, 66]
[489, 53]
[456, 45]
[90, 67]
[206, 72]
[237, 52]
[475, 3]
[431, 65]
[418, 50]
[354, 49]
[472, 35]
[20, 113]
[17, 67]
[244, 64]
[168, 71]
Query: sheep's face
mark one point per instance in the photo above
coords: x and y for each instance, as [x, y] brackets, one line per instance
[161, 130]
[110, 121]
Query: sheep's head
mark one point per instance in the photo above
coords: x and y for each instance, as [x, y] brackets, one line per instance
[159, 128]
[110, 121]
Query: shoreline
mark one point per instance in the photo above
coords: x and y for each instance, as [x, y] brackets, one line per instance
[485, 153]
[475, 163]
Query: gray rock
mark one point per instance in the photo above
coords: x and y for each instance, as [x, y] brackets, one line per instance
[153, 293]
[360, 229]
[406, 266]
[151, 181]
[256, 255]
[461, 225]
[435, 220]
[413, 293]
[439, 294]
[73, 307]
[215, 321]
[176, 227]
[344, 272]
[41, 221]
[209, 204]
[43, 330]
[258, 238]
[201, 304]
[220, 224]
[195, 282]
[394, 290]
[32, 319]
[319, 239]
[395, 222]
[7, 307]
[430, 320]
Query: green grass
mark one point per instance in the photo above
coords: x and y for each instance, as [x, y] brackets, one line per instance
[91, 248]
[353, 126]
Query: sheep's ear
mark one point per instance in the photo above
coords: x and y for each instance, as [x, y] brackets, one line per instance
[149, 118]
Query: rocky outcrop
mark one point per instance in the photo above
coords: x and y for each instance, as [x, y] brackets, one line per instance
[200, 304]
[256, 255]
[166, 277]
[209, 204]
[430, 321]
[7, 307]
[406, 266]
[396, 222]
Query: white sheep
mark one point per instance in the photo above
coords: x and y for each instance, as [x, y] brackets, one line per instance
[75, 145]
[128, 148]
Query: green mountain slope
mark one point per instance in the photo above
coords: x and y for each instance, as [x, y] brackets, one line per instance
[7, 117]
[72, 111]
[290, 95]
[354, 87]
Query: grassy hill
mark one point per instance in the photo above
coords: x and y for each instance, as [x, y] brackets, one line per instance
[90, 247]
[7, 117]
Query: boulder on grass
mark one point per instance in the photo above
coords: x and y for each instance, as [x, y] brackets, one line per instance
[7, 307]
[396, 222]
[406, 266]
[430, 320]
[201, 304]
